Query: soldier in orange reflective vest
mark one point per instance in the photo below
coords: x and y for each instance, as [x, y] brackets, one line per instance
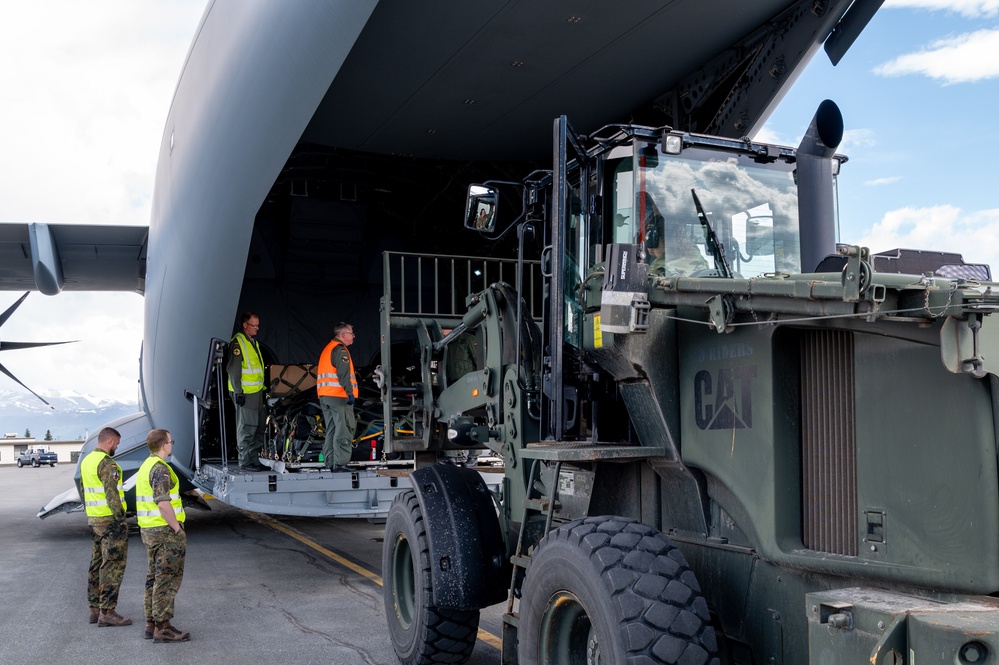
[336, 386]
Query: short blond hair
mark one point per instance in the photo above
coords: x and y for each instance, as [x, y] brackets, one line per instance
[156, 439]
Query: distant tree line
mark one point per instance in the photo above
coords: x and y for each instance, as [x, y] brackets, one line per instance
[48, 434]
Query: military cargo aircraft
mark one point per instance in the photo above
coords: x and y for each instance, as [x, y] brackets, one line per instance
[304, 139]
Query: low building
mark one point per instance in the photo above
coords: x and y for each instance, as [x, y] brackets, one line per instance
[12, 446]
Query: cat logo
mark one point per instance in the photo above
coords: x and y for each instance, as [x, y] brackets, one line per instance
[726, 401]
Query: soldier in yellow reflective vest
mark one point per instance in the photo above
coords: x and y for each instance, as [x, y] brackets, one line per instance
[104, 501]
[336, 386]
[160, 514]
[245, 368]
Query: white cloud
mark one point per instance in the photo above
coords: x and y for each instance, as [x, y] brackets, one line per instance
[877, 182]
[944, 228]
[960, 59]
[969, 8]
[855, 140]
[104, 362]
[768, 135]
[84, 92]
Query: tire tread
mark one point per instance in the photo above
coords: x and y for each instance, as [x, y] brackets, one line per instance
[651, 584]
[448, 635]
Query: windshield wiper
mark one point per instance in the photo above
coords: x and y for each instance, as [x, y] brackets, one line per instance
[716, 248]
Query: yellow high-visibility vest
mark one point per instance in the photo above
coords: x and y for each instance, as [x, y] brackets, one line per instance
[95, 501]
[147, 512]
[252, 375]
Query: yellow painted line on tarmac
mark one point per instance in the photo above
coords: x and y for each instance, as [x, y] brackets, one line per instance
[267, 520]
[490, 639]
[305, 540]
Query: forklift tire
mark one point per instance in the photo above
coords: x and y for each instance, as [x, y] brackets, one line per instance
[421, 633]
[611, 590]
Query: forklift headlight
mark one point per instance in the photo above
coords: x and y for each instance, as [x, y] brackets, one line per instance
[672, 144]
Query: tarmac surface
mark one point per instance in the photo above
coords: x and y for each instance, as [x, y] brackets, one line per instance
[256, 588]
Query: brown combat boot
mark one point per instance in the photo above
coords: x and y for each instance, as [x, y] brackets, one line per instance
[94, 613]
[164, 632]
[150, 627]
[112, 618]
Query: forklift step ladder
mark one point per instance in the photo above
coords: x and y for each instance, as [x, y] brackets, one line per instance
[536, 505]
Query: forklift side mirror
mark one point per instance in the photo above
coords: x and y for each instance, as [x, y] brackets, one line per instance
[480, 208]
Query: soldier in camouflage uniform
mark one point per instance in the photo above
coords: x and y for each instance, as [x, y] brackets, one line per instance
[104, 501]
[461, 360]
[679, 266]
[161, 518]
[460, 357]
[670, 250]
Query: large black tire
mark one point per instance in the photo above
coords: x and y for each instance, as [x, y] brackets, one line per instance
[421, 633]
[34, 463]
[20, 464]
[610, 590]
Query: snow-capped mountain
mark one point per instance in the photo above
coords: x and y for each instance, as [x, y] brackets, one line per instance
[71, 417]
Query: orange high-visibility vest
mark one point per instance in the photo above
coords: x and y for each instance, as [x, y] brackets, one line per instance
[327, 381]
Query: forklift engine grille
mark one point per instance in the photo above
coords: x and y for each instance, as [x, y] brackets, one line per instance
[828, 443]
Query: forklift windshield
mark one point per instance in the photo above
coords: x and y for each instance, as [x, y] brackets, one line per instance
[751, 206]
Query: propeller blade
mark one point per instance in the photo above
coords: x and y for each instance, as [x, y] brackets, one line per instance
[10, 310]
[18, 381]
[9, 346]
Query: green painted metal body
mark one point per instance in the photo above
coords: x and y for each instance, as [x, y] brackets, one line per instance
[822, 446]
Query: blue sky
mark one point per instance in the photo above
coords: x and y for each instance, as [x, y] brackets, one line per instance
[918, 92]
[86, 87]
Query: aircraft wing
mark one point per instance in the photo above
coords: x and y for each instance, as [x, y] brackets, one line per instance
[72, 257]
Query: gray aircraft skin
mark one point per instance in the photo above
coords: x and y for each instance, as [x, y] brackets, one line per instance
[304, 138]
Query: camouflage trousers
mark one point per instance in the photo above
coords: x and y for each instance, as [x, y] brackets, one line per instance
[165, 552]
[678, 266]
[107, 562]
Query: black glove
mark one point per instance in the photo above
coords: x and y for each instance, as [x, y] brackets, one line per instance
[350, 399]
[239, 399]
